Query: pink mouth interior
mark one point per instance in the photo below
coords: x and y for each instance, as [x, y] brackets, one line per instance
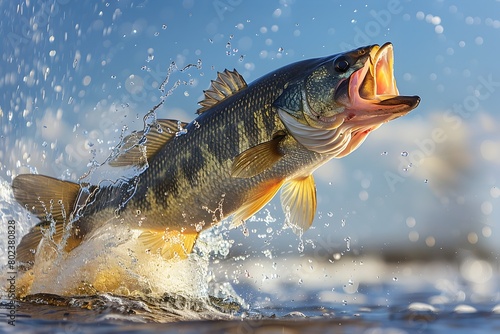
[385, 83]
[375, 81]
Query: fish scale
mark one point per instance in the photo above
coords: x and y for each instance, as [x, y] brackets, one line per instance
[209, 167]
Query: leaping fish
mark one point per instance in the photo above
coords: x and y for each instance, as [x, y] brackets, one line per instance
[247, 142]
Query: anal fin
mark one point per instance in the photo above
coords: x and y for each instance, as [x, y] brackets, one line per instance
[169, 244]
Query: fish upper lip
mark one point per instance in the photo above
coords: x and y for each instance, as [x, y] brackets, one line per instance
[374, 86]
[376, 78]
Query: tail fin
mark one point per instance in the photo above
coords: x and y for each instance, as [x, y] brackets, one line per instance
[50, 200]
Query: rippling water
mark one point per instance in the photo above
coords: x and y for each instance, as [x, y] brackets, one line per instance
[353, 295]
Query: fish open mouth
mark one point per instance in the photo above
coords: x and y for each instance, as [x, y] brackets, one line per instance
[373, 87]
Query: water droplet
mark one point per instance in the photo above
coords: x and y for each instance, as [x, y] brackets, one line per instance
[330, 214]
[404, 154]
[384, 153]
[348, 243]
[301, 246]
[164, 26]
[281, 49]
[426, 181]
[342, 222]
[394, 279]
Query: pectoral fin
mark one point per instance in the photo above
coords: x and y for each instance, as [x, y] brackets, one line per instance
[298, 200]
[169, 244]
[257, 159]
[260, 197]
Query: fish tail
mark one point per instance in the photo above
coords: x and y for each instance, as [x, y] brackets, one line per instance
[53, 201]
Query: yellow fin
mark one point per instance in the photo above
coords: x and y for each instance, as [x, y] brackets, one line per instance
[134, 153]
[298, 200]
[260, 197]
[169, 244]
[46, 196]
[226, 84]
[257, 159]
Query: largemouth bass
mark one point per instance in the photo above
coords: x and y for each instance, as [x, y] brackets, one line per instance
[248, 142]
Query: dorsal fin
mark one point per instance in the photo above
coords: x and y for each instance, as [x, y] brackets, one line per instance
[226, 84]
[137, 147]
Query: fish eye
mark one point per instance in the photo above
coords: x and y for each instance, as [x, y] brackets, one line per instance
[341, 64]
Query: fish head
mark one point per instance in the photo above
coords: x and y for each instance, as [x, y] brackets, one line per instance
[344, 97]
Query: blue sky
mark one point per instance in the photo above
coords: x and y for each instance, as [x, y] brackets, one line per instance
[73, 74]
